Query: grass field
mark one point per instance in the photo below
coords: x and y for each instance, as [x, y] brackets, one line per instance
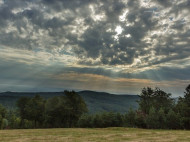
[92, 135]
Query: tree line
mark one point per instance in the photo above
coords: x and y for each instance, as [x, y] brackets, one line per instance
[157, 110]
[36, 112]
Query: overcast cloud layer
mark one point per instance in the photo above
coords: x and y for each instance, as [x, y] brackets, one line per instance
[117, 46]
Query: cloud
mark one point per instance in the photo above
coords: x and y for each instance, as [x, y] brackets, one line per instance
[89, 29]
[140, 39]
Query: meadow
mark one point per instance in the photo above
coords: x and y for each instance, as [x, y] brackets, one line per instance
[94, 135]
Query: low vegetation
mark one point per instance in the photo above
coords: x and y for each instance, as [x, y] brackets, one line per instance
[96, 134]
[157, 110]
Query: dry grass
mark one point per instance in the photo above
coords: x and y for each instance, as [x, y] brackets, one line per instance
[94, 135]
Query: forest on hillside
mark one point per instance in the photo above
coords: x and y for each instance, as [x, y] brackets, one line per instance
[157, 110]
[95, 101]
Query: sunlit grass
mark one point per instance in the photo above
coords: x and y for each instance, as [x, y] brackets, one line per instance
[104, 134]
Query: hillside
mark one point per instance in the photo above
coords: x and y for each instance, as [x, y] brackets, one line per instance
[96, 101]
[100, 101]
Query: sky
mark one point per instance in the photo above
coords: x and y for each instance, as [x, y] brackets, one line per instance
[115, 46]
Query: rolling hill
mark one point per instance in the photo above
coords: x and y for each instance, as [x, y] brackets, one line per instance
[96, 101]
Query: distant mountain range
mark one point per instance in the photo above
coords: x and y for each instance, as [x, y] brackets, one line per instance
[96, 101]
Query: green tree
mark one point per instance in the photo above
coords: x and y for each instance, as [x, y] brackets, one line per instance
[75, 107]
[35, 110]
[162, 119]
[97, 121]
[146, 98]
[155, 98]
[11, 116]
[4, 123]
[101, 120]
[173, 120]
[152, 120]
[140, 119]
[85, 121]
[183, 108]
[65, 110]
[162, 100]
[187, 95]
[32, 109]
[119, 120]
[21, 104]
[130, 118]
[55, 112]
[3, 113]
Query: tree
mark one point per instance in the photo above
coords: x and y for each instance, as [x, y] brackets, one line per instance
[130, 118]
[173, 120]
[3, 112]
[162, 100]
[31, 109]
[97, 121]
[155, 98]
[187, 95]
[65, 110]
[140, 119]
[21, 105]
[12, 119]
[85, 121]
[35, 110]
[183, 108]
[152, 119]
[4, 123]
[119, 120]
[75, 106]
[162, 119]
[146, 97]
[55, 112]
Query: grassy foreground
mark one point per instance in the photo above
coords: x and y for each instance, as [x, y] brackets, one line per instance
[91, 135]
